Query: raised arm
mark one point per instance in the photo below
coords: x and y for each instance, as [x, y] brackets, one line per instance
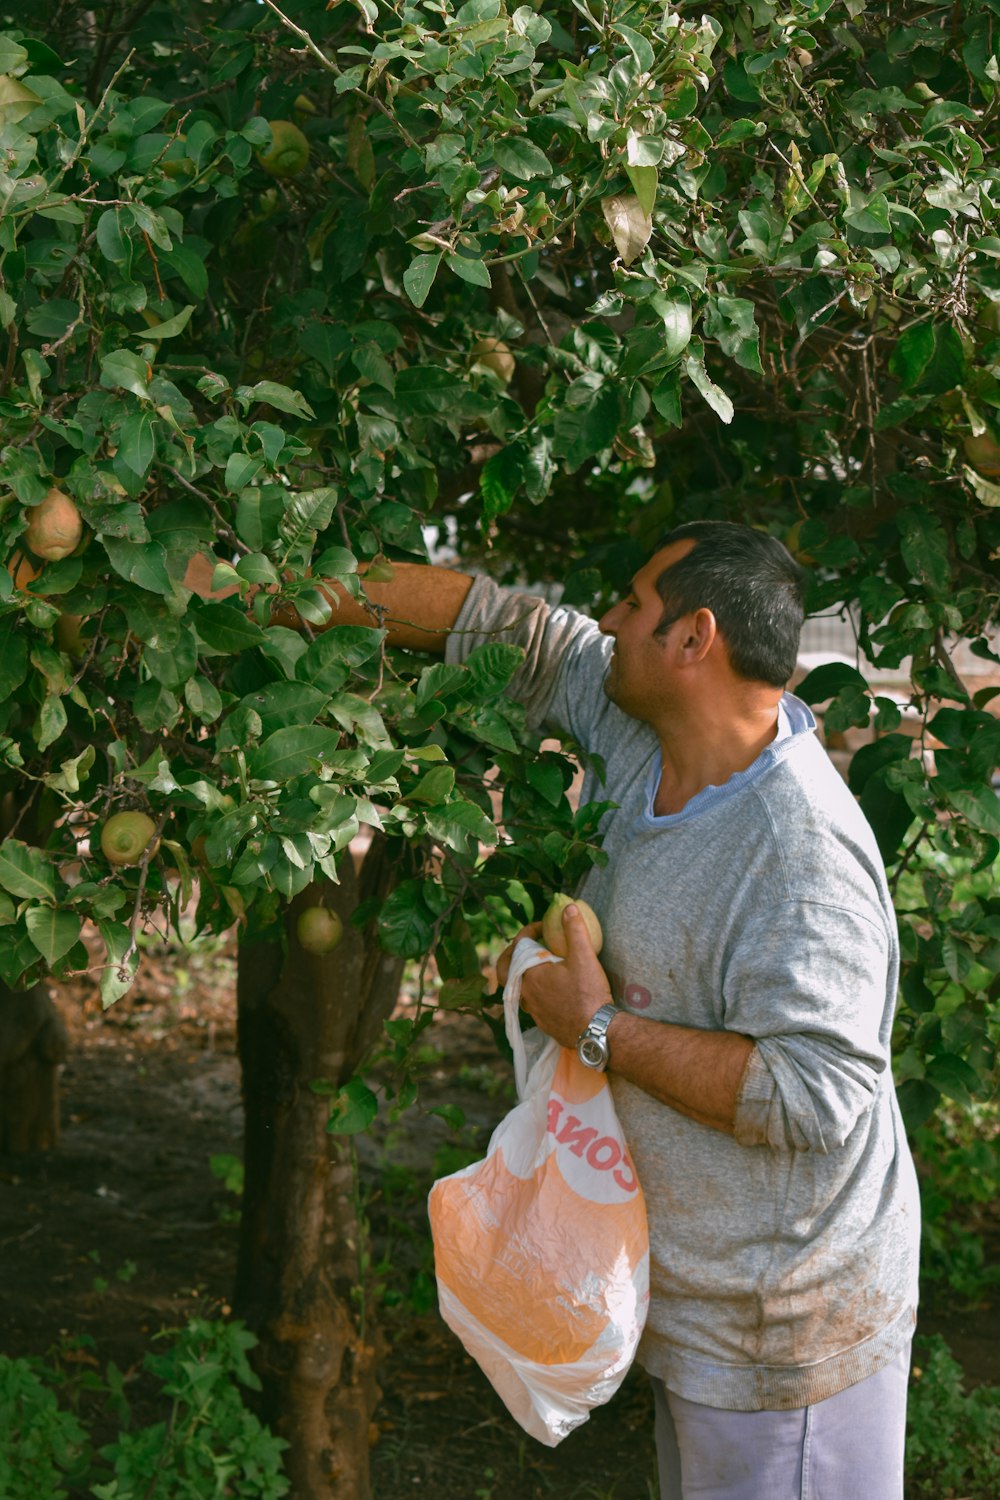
[418, 606]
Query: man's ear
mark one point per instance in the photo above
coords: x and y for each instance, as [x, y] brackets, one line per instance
[698, 635]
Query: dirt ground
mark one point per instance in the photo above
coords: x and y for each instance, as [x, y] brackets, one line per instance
[126, 1229]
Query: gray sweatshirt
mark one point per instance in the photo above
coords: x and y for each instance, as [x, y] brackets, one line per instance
[783, 1257]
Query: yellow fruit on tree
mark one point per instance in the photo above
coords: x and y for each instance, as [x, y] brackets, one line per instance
[496, 356]
[983, 454]
[318, 930]
[126, 836]
[69, 635]
[288, 152]
[804, 559]
[176, 162]
[23, 571]
[553, 934]
[54, 527]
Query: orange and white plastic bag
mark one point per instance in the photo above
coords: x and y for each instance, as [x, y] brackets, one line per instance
[541, 1249]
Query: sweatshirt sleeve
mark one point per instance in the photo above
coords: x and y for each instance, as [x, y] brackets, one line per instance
[561, 682]
[808, 984]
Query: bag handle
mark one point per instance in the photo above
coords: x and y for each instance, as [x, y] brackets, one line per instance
[527, 953]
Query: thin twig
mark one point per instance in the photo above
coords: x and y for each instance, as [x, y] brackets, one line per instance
[224, 525]
[133, 925]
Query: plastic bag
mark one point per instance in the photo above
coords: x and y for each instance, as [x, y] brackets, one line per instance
[541, 1249]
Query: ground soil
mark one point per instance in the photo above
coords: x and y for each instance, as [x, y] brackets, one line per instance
[126, 1229]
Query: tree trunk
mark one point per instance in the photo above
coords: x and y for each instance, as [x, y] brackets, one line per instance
[32, 1046]
[298, 1283]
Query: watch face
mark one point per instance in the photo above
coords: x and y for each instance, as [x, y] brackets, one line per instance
[593, 1051]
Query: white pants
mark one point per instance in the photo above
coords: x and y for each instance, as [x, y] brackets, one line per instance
[849, 1447]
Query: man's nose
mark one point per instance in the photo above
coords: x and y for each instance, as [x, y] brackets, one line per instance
[608, 624]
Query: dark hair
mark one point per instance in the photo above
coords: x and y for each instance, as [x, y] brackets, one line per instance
[752, 585]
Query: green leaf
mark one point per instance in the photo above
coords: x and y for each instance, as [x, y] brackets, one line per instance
[929, 357]
[405, 925]
[828, 680]
[24, 871]
[499, 479]
[521, 158]
[171, 327]
[137, 443]
[121, 368]
[434, 786]
[917, 1101]
[889, 814]
[354, 1110]
[52, 932]
[588, 425]
[473, 271]
[428, 389]
[490, 668]
[979, 806]
[306, 513]
[13, 657]
[955, 1078]
[224, 629]
[639, 47]
[72, 772]
[675, 310]
[644, 180]
[924, 548]
[118, 975]
[292, 751]
[12, 55]
[51, 721]
[418, 278]
[712, 393]
[112, 240]
[342, 646]
[241, 470]
[281, 397]
[457, 823]
[141, 563]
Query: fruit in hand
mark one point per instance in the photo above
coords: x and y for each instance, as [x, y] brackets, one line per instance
[54, 527]
[553, 935]
[318, 930]
[288, 152]
[125, 838]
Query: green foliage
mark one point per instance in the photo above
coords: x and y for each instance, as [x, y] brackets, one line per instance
[958, 1151]
[953, 1439]
[744, 264]
[41, 1447]
[209, 1446]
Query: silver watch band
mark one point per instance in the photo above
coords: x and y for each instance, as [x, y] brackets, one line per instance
[592, 1045]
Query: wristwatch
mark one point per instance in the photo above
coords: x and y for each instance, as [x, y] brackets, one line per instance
[592, 1047]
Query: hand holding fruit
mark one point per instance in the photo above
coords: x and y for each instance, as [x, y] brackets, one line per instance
[553, 932]
[561, 998]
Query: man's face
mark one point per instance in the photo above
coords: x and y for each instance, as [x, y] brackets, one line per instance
[639, 676]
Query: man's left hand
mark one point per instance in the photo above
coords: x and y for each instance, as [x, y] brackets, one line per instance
[561, 998]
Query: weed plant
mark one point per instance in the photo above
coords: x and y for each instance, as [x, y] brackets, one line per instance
[208, 1445]
[953, 1438]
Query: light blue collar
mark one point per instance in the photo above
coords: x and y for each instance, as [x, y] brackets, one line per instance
[794, 721]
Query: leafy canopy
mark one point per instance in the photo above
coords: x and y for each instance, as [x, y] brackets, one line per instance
[548, 280]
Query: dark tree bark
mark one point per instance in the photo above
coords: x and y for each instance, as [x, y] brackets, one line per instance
[303, 1018]
[32, 1046]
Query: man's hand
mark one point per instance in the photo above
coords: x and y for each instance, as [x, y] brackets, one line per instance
[561, 998]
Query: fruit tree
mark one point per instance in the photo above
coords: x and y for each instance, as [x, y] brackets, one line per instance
[281, 287]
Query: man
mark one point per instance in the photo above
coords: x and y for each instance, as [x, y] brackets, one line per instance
[750, 958]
